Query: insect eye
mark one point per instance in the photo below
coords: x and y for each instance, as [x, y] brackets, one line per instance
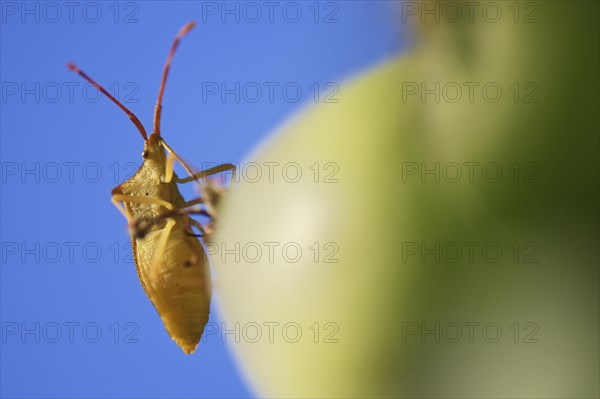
[145, 154]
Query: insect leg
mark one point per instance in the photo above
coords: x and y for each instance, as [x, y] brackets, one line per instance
[211, 192]
[209, 172]
[134, 224]
[169, 176]
[142, 200]
[120, 207]
[198, 226]
[141, 226]
[170, 151]
[161, 247]
[199, 175]
[169, 168]
[193, 202]
[189, 222]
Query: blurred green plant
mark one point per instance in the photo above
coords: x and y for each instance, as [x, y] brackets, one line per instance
[385, 212]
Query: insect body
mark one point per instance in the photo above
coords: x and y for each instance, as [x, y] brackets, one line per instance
[170, 261]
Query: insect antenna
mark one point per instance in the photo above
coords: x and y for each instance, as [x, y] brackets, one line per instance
[131, 115]
[158, 107]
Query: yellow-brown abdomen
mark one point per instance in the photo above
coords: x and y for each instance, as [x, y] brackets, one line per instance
[178, 284]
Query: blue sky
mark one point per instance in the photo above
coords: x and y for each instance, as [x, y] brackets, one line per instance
[75, 320]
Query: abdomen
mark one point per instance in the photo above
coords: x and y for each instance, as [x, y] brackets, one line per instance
[178, 284]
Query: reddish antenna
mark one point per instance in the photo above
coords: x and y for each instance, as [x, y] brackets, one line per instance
[158, 107]
[131, 115]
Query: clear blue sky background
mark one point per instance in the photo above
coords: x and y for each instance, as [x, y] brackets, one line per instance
[66, 139]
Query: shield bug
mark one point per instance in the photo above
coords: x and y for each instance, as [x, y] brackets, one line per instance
[170, 260]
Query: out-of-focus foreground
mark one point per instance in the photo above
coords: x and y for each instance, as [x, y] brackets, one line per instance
[442, 238]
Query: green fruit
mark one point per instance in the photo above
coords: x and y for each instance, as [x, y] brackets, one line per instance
[377, 292]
